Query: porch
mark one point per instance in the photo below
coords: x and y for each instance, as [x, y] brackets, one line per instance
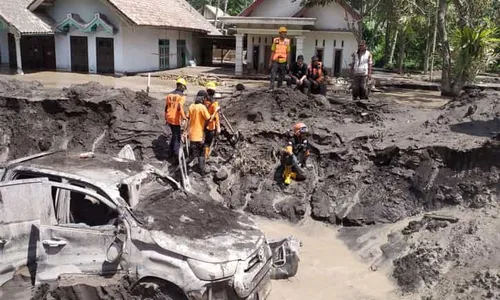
[259, 33]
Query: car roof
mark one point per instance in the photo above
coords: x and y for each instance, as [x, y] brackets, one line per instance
[102, 168]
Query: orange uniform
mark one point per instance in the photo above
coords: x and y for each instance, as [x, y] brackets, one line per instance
[174, 108]
[198, 117]
[281, 48]
[212, 108]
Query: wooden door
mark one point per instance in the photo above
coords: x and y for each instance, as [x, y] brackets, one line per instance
[79, 54]
[181, 53]
[164, 52]
[105, 55]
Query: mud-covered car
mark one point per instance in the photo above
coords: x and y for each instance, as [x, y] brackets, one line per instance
[64, 214]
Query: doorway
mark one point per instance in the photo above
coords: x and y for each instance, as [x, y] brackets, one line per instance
[255, 57]
[38, 53]
[12, 51]
[337, 63]
[319, 54]
[105, 55]
[181, 53]
[79, 54]
[164, 52]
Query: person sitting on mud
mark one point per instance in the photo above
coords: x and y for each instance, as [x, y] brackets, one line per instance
[213, 127]
[295, 154]
[174, 116]
[315, 75]
[198, 117]
[298, 75]
[301, 148]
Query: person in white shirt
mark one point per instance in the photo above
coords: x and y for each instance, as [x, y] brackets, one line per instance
[361, 71]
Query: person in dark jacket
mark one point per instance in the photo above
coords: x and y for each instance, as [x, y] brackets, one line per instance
[315, 75]
[298, 75]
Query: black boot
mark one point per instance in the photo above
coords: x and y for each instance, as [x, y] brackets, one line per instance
[201, 165]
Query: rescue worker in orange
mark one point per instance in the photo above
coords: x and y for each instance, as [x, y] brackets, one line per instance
[213, 127]
[174, 115]
[198, 117]
[297, 151]
[279, 62]
[315, 75]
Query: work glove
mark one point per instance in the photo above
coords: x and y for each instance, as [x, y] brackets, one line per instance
[184, 137]
[218, 131]
[218, 109]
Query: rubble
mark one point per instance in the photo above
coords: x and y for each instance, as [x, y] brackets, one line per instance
[374, 162]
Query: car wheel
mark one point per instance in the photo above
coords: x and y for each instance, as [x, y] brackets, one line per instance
[158, 291]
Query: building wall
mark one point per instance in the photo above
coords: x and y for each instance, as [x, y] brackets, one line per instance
[4, 46]
[86, 10]
[331, 17]
[141, 52]
[332, 41]
[276, 8]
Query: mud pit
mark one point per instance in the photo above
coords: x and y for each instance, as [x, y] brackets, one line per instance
[375, 163]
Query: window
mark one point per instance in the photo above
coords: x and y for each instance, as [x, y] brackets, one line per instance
[75, 207]
[164, 53]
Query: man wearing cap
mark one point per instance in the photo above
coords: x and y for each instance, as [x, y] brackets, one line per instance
[198, 116]
[298, 75]
[315, 75]
[174, 115]
[279, 61]
[361, 71]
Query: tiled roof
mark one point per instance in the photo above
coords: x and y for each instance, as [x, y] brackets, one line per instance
[16, 13]
[164, 13]
[177, 14]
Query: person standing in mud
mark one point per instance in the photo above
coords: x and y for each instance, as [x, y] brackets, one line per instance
[279, 62]
[198, 116]
[315, 75]
[213, 127]
[361, 71]
[298, 75]
[174, 116]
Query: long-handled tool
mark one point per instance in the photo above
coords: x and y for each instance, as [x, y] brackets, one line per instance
[236, 135]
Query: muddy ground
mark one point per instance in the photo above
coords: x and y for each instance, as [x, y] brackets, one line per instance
[376, 165]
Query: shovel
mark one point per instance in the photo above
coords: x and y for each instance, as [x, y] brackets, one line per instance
[236, 135]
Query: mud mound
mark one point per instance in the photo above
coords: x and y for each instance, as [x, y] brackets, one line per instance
[187, 214]
[474, 112]
[33, 119]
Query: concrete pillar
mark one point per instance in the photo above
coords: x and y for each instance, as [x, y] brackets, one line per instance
[92, 46]
[299, 46]
[262, 53]
[249, 52]
[18, 55]
[238, 70]
[173, 53]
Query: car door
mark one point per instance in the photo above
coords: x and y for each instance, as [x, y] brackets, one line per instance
[78, 243]
[24, 206]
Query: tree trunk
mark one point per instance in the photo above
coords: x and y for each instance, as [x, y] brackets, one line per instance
[428, 42]
[402, 51]
[434, 38]
[393, 47]
[216, 13]
[387, 47]
[447, 87]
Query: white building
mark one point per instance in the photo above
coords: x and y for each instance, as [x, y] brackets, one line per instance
[102, 36]
[323, 31]
[210, 12]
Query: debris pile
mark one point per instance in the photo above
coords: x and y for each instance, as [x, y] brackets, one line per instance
[33, 119]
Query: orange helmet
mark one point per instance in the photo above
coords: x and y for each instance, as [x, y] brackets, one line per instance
[289, 149]
[299, 128]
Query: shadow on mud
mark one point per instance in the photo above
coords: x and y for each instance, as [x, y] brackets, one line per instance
[478, 128]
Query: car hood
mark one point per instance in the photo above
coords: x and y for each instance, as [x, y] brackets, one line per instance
[198, 228]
